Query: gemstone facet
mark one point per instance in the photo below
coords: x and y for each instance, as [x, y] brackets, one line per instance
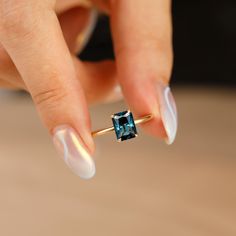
[124, 125]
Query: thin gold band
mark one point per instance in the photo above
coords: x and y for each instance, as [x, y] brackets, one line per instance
[110, 129]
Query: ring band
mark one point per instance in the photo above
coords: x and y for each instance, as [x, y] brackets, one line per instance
[140, 120]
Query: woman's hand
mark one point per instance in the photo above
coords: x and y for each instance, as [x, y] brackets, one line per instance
[37, 43]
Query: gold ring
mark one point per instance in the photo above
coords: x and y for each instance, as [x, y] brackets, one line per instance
[124, 125]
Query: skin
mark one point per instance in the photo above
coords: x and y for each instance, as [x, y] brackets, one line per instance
[37, 43]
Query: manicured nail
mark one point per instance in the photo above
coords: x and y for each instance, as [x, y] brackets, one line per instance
[84, 37]
[115, 95]
[168, 112]
[69, 145]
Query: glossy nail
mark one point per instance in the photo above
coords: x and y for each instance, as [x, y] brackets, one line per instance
[70, 146]
[114, 96]
[168, 112]
[84, 37]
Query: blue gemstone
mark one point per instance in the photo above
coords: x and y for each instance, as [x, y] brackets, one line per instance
[124, 125]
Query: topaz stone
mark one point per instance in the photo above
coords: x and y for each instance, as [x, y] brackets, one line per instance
[124, 125]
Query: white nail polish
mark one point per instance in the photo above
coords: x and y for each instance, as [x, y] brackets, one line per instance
[69, 145]
[114, 96]
[83, 38]
[168, 112]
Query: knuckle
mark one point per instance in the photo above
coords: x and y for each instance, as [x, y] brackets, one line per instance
[49, 97]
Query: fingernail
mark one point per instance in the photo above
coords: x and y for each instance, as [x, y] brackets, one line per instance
[168, 112]
[70, 146]
[84, 37]
[114, 96]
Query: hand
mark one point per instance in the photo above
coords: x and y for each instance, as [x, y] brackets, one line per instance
[37, 42]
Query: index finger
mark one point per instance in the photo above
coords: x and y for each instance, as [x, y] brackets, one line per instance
[31, 34]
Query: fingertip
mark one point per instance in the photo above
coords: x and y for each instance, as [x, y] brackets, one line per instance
[75, 154]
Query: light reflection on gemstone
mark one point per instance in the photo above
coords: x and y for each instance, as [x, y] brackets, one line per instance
[124, 125]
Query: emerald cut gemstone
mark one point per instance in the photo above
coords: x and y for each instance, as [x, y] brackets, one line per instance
[124, 125]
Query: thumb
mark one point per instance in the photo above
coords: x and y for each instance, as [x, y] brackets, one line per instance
[31, 34]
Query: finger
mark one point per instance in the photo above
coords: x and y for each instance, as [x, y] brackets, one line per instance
[62, 5]
[99, 82]
[6, 85]
[73, 22]
[102, 5]
[142, 35]
[31, 34]
[8, 72]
